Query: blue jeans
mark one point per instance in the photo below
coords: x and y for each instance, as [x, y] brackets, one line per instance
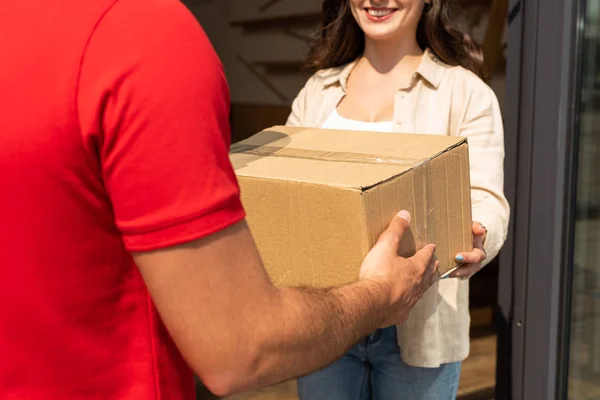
[374, 370]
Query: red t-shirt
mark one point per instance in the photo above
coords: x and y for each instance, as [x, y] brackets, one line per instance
[114, 136]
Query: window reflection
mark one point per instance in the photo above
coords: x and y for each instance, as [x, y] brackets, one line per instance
[584, 368]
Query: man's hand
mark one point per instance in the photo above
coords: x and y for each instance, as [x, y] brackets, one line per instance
[407, 278]
[472, 260]
[238, 332]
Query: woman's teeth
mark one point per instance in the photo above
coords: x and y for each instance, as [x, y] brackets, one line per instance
[379, 12]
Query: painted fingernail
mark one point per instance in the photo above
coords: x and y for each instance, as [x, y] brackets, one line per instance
[404, 215]
[460, 258]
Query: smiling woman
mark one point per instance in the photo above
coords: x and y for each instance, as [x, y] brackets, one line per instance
[402, 66]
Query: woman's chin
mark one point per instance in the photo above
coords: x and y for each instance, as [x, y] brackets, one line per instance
[377, 35]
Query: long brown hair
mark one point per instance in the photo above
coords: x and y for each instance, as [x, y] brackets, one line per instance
[342, 41]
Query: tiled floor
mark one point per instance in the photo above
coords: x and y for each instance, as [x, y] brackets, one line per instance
[477, 378]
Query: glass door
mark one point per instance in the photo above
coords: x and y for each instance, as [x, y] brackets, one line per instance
[584, 315]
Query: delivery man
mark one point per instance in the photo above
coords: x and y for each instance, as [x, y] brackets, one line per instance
[126, 264]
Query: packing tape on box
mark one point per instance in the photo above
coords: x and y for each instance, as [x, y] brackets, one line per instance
[320, 155]
[421, 227]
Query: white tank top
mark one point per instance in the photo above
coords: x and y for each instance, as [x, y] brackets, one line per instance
[336, 121]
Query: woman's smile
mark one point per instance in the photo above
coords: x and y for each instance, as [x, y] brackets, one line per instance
[379, 14]
[384, 20]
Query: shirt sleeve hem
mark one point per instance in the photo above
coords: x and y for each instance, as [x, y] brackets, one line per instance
[184, 232]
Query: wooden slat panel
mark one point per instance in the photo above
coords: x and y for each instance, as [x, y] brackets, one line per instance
[248, 119]
[251, 11]
[277, 84]
[276, 46]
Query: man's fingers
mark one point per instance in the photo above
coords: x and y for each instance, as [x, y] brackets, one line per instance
[400, 222]
[396, 229]
[425, 255]
[476, 256]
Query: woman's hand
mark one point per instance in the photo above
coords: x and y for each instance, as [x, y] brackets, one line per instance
[472, 261]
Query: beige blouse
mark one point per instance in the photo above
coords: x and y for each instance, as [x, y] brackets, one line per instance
[440, 100]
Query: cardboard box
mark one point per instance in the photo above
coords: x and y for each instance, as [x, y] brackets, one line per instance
[317, 200]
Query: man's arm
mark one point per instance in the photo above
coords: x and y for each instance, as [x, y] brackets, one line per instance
[237, 331]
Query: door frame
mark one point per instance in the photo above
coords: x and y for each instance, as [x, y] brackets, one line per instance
[542, 76]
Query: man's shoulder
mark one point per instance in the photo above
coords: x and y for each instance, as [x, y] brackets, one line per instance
[65, 21]
[147, 36]
[128, 18]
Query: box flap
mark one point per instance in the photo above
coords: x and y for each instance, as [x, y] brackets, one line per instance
[335, 157]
